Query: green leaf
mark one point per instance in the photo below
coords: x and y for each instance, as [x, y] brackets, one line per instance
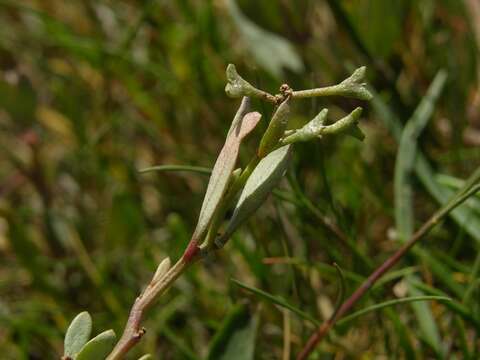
[261, 182]
[347, 125]
[404, 211]
[354, 86]
[99, 347]
[458, 308]
[270, 51]
[309, 131]
[224, 166]
[239, 87]
[235, 340]
[406, 155]
[442, 194]
[196, 169]
[277, 301]
[78, 333]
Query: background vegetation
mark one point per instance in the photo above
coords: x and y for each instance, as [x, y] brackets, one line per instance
[92, 91]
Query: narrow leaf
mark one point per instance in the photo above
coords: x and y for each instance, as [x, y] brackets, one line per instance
[223, 168]
[404, 211]
[196, 169]
[235, 340]
[277, 301]
[407, 152]
[261, 182]
[78, 333]
[385, 304]
[442, 194]
[99, 347]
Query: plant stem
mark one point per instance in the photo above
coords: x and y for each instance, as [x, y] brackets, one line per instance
[322, 331]
[323, 91]
[133, 331]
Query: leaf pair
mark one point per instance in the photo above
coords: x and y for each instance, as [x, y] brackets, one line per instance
[315, 128]
[76, 343]
[243, 123]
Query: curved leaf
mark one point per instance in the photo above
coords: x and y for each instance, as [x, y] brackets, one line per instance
[390, 303]
[261, 182]
[224, 166]
[99, 347]
[197, 169]
[277, 301]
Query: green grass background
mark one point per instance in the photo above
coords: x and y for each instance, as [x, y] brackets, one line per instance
[91, 91]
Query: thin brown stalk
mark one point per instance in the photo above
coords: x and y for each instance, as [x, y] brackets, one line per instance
[323, 330]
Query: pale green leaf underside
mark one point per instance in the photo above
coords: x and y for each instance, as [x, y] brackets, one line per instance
[78, 333]
[261, 182]
[224, 167]
[99, 347]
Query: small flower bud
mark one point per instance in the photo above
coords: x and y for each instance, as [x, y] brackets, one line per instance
[162, 269]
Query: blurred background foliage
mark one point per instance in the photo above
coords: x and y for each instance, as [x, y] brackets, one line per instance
[92, 91]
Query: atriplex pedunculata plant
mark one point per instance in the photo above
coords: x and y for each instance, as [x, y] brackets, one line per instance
[243, 190]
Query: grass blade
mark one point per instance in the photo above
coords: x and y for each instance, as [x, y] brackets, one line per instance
[442, 194]
[277, 301]
[407, 152]
[186, 168]
[382, 305]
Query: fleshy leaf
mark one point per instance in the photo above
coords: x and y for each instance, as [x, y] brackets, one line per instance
[316, 129]
[354, 87]
[261, 182]
[308, 132]
[223, 168]
[270, 51]
[348, 125]
[78, 333]
[99, 347]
